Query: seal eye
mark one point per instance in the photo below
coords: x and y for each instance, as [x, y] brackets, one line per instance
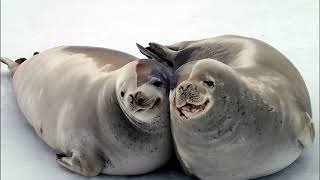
[122, 93]
[209, 83]
[157, 83]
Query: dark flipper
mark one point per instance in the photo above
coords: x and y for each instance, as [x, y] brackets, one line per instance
[20, 60]
[147, 52]
[150, 53]
[166, 54]
[163, 51]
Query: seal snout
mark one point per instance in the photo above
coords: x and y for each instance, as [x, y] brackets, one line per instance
[183, 87]
[189, 100]
[138, 101]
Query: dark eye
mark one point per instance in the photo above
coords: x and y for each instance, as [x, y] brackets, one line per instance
[157, 83]
[122, 93]
[209, 83]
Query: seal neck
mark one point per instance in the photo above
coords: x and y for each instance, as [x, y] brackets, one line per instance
[106, 94]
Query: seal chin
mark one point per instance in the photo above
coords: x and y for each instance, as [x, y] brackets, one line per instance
[191, 111]
[144, 118]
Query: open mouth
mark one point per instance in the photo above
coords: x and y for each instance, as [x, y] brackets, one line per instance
[191, 109]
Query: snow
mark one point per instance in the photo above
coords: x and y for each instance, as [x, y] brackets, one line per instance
[35, 25]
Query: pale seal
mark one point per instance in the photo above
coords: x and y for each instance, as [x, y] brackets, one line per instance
[239, 108]
[102, 110]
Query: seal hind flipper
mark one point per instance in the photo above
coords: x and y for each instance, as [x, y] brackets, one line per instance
[84, 164]
[165, 54]
[20, 60]
[148, 53]
[163, 51]
[306, 137]
[152, 55]
[12, 65]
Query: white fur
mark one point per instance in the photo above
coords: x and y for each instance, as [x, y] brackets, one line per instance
[71, 101]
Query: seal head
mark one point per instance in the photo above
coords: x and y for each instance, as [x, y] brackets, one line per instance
[207, 103]
[198, 85]
[143, 93]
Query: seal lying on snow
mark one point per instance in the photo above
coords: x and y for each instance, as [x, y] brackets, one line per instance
[102, 110]
[239, 108]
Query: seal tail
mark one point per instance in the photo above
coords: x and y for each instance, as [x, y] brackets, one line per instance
[12, 65]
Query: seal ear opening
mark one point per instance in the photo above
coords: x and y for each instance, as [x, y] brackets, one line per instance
[148, 52]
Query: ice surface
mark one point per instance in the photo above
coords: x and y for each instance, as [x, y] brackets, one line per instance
[35, 25]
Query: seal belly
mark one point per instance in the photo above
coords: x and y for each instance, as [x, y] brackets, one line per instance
[50, 85]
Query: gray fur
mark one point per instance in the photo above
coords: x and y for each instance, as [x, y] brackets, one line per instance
[257, 119]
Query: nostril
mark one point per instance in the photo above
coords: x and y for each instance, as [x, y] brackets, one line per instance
[137, 95]
[185, 87]
[188, 86]
[139, 98]
[181, 89]
[130, 98]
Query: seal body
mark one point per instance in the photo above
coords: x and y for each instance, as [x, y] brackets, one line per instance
[76, 99]
[239, 108]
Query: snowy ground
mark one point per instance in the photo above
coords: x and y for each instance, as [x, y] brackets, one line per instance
[35, 25]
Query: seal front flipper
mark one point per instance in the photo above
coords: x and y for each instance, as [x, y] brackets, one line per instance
[86, 164]
[306, 136]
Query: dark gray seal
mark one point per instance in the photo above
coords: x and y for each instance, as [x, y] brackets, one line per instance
[239, 108]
